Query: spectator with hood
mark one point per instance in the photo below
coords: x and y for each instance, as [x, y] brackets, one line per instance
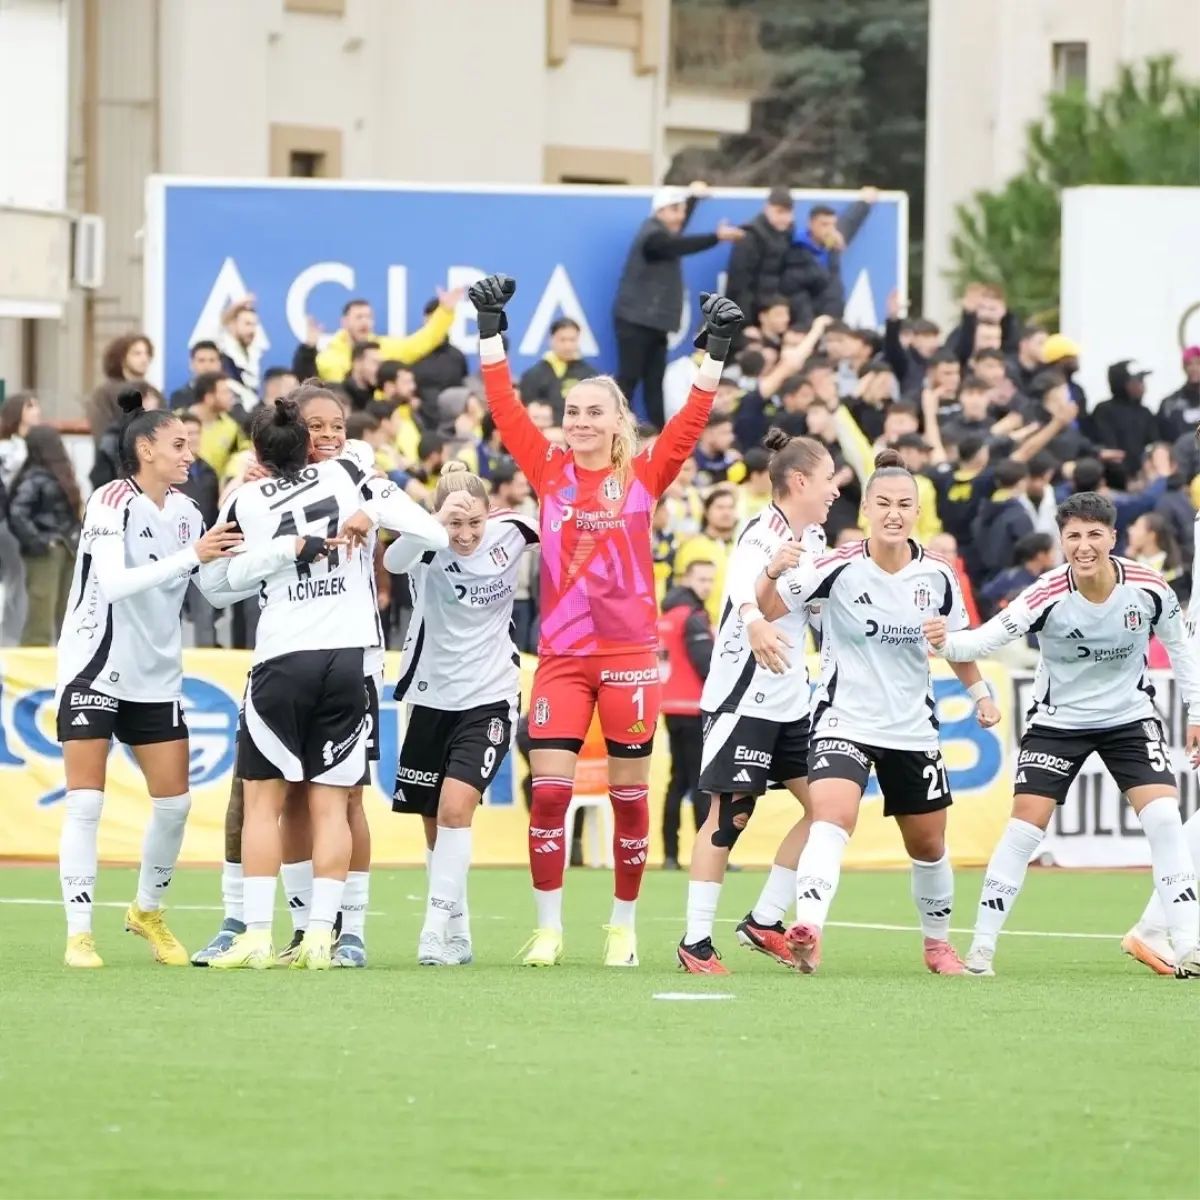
[445, 366]
[813, 275]
[757, 263]
[649, 302]
[1179, 413]
[559, 370]
[1123, 422]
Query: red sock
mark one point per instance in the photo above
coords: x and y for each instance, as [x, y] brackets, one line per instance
[547, 831]
[631, 837]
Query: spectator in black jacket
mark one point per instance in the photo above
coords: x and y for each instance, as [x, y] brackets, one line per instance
[45, 510]
[363, 378]
[986, 323]
[757, 263]
[813, 273]
[1179, 413]
[441, 368]
[203, 488]
[649, 302]
[106, 466]
[1034, 556]
[205, 358]
[1122, 422]
[1026, 364]
[685, 730]
[559, 370]
[1049, 397]
[1176, 506]
[1002, 520]
[909, 348]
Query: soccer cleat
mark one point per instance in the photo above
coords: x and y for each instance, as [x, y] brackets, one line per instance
[544, 949]
[979, 961]
[81, 951]
[349, 951]
[1188, 966]
[316, 951]
[766, 939]
[459, 947]
[700, 958]
[223, 940]
[434, 951]
[804, 946]
[1151, 947]
[287, 955]
[164, 945]
[942, 958]
[620, 947]
[250, 951]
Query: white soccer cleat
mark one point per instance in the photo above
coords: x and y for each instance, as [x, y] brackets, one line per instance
[432, 951]
[458, 948]
[1188, 966]
[979, 961]
[1151, 947]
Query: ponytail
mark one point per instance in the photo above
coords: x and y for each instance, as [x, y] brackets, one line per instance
[889, 464]
[137, 424]
[791, 454]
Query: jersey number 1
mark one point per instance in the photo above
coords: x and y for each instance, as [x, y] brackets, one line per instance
[323, 510]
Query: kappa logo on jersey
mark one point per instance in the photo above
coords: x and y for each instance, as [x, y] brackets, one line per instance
[499, 556]
[1044, 762]
[495, 731]
[1133, 619]
[922, 596]
[611, 488]
[541, 711]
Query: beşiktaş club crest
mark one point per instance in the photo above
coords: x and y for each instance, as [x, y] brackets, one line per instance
[499, 556]
[1133, 619]
[185, 530]
[922, 596]
[495, 731]
[611, 488]
[541, 711]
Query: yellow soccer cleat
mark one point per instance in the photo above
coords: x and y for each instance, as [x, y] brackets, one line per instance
[544, 949]
[315, 953]
[81, 951]
[164, 945]
[251, 951]
[620, 949]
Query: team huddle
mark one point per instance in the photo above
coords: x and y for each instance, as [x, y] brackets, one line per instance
[300, 535]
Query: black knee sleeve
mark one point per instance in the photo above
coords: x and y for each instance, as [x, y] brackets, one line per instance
[732, 817]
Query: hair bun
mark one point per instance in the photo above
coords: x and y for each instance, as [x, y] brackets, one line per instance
[129, 400]
[888, 458]
[285, 411]
[776, 438]
[455, 465]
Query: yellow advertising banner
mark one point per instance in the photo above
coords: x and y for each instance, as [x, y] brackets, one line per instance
[31, 778]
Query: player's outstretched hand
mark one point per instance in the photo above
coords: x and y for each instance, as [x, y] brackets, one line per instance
[935, 632]
[490, 295]
[786, 557]
[309, 549]
[254, 470]
[356, 530]
[722, 319]
[769, 645]
[986, 713]
[218, 542]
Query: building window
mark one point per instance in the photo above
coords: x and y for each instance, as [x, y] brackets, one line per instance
[305, 152]
[306, 164]
[1070, 65]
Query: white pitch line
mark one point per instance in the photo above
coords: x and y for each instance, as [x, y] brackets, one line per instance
[125, 904]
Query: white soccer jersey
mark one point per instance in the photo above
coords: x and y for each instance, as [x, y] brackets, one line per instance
[121, 635]
[736, 683]
[1093, 671]
[328, 604]
[459, 652]
[875, 683]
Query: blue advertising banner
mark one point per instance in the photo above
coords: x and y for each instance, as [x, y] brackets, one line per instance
[306, 247]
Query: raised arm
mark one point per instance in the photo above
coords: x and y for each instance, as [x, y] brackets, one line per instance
[967, 645]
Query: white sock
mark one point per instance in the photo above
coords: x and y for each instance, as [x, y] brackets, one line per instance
[1154, 918]
[702, 899]
[777, 895]
[933, 894]
[231, 891]
[354, 902]
[298, 891]
[818, 872]
[78, 856]
[326, 900]
[1174, 872]
[259, 906]
[447, 877]
[460, 918]
[549, 909]
[624, 913]
[160, 848]
[1003, 880]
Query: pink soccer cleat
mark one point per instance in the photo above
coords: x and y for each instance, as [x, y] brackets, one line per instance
[942, 959]
[804, 945]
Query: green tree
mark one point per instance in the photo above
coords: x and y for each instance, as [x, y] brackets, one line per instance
[1143, 130]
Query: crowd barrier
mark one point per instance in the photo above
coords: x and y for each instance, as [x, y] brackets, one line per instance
[1094, 829]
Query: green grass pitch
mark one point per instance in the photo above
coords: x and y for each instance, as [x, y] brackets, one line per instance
[1074, 1073]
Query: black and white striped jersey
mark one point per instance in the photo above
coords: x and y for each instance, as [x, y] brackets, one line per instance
[460, 651]
[121, 634]
[875, 685]
[736, 683]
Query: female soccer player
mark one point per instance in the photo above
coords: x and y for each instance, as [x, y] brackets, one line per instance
[462, 681]
[304, 717]
[1094, 617]
[874, 707]
[120, 670]
[598, 633]
[756, 721]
